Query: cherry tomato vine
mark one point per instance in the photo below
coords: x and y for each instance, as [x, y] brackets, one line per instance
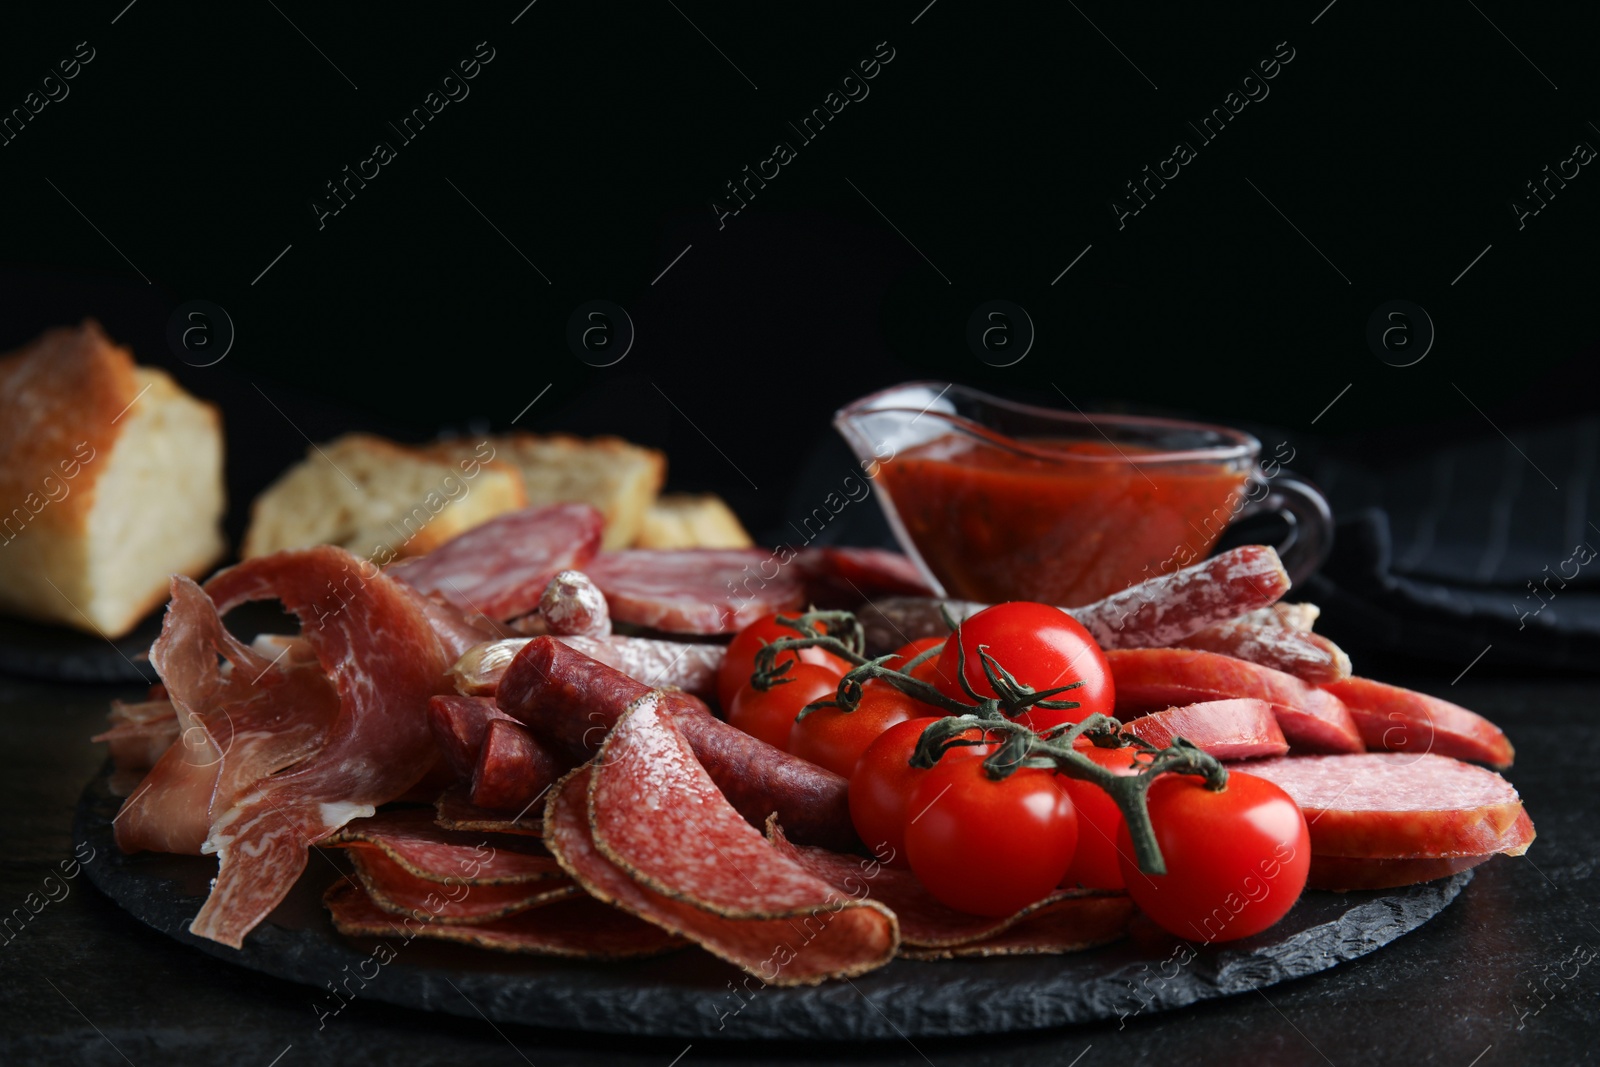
[1019, 745]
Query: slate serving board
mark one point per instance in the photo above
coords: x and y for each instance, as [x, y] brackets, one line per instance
[690, 994]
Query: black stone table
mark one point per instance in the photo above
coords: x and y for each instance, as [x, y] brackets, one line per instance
[1505, 975]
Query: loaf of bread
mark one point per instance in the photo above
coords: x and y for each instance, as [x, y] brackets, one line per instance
[381, 500]
[692, 520]
[618, 478]
[110, 483]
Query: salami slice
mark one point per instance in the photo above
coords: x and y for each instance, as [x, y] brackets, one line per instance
[514, 771]
[1149, 679]
[580, 928]
[380, 652]
[459, 724]
[695, 590]
[453, 811]
[500, 569]
[827, 936]
[1344, 873]
[1400, 720]
[841, 577]
[1085, 918]
[411, 838]
[570, 702]
[459, 902]
[1227, 729]
[690, 666]
[1387, 805]
[1264, 636]
[1156, 613]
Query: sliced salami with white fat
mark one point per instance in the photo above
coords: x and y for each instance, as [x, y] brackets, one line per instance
[500, 569]
[1151, 679]
[696, 590]
[1226, 729]
[1389, 805]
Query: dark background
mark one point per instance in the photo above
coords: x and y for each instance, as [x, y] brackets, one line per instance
[1381, 166]
[595, 141]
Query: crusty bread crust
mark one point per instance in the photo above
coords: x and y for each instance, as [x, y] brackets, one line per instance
[692, 520]
[380, 499]
[60, 401]
[618, 477]
[68, 402]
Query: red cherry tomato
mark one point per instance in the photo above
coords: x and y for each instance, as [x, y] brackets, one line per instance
[835, 739]
[769, 715]
[1042, 647]
[1236, 859]
[1095, 864]
[990, 847]
[740, 662]
[928, 670]
[881, 787]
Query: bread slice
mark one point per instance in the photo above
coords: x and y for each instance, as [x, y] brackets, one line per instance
[110, 481]
[379, 499]
[618, 478]
[692, 520]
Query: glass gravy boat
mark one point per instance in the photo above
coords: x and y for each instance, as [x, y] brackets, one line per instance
[996, 500]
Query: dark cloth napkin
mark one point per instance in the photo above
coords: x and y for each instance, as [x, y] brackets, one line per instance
[1488, 544]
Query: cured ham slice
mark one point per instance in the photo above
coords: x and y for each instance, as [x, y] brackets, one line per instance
[1150, 679]
[570, 702]
[579, 928]
[410, 837]
[1156, 613]
[1400, 720]
[500, 569]
[695, 590]
[236, 724]
[456, 629]
[1386, 805]
[1344, 873]
[139, 733]
[657, 664]
[1077, 919]
[460, 902]
[1226, 729]
[377, 646]
[799, 931]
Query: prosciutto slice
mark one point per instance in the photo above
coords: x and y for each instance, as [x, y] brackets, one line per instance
[500, 569]
[235, 723]
[379, 649]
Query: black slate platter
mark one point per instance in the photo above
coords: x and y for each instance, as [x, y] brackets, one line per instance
[690, 994]
[62, 654]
